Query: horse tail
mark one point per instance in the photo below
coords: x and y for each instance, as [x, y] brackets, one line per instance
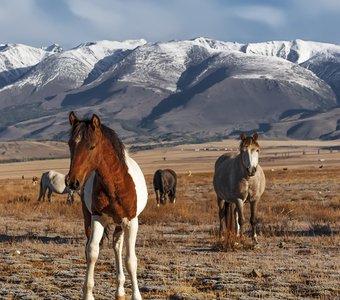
[230, 236]
[163, 188]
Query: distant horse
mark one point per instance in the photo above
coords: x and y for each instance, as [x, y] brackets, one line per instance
[114, 191]
[164, 183]
[35, 180]
[54, 182]
[238, 179]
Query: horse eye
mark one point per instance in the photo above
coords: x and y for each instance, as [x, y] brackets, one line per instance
[257, 150]
[92, 147]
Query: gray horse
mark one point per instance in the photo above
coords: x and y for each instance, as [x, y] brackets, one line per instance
[238, 179]
[54, 182]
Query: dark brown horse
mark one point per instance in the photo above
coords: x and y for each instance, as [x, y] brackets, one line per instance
[238, 179]
[113, 191]
[164, 183]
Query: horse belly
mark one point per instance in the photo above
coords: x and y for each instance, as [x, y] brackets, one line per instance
[140, 184]
[56, 182]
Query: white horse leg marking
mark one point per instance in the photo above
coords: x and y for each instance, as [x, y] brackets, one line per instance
[118, 241]
[239, 216]
[97, 230]
[130, 234]
[237, 225]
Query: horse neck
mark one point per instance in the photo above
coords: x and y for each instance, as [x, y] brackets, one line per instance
[241, 167]
[111, 170]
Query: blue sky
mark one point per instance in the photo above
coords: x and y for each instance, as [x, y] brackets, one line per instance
[71, 22]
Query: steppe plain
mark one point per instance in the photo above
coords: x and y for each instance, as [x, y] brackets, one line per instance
[179, 253]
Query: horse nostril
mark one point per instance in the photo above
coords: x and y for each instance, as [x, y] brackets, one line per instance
[76, 184]
[72, 184]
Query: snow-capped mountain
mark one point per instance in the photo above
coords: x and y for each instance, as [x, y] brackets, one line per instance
[197, 88]
[17, 59]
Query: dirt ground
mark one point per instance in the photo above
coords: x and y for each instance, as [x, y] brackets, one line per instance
[179, 253]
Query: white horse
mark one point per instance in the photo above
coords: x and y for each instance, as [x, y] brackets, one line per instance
[54, 182]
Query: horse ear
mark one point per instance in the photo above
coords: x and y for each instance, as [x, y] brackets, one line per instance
[95, 121]
[255, 136]
[243, 136]
[73, 118]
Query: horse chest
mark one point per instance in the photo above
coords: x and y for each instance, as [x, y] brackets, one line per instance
[114, 205]
[242, 189]
[245, 189]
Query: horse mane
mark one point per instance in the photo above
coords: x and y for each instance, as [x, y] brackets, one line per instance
[115, 141]
[83, 128]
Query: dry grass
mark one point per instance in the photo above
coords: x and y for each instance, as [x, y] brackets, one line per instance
[178, 247]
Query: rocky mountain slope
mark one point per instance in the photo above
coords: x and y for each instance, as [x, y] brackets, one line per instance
[176, 90]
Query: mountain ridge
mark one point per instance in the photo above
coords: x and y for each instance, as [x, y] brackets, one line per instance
[198, 87]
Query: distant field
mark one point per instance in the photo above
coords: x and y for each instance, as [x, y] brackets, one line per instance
[179, 252]
[184, 159]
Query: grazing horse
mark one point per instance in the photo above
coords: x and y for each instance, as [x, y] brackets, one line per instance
[238, 179]
[54, 182]
[114, 191]
[164, 183]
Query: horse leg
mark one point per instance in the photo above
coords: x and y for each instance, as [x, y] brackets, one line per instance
[221, 211]
[92, 251]
[173, 192]
[130, 234]
[163, 197]
[49, 194]
[118, 239]
[41, 191]
[239, 216]
[172, 196]
[70, 197]
[237, 225]
[157, 197]
[253, 205]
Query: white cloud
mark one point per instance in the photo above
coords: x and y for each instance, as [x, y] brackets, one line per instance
[263, 14]
[76, 21]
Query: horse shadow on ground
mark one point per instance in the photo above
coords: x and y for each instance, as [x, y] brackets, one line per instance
[5, 238]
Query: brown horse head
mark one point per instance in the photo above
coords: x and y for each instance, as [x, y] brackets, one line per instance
[249, 150]
[88, 142]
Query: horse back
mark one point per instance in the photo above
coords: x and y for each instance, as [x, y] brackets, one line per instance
[169, 178]
[223, 158]
[164, 180]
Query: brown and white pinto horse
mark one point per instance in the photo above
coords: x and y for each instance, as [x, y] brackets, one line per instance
[238, 179]
[113, 191]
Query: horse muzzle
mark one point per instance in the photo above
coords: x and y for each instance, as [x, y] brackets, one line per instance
[72, 183]
[251, 171]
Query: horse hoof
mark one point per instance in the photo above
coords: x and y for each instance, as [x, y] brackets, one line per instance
[256, 246]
